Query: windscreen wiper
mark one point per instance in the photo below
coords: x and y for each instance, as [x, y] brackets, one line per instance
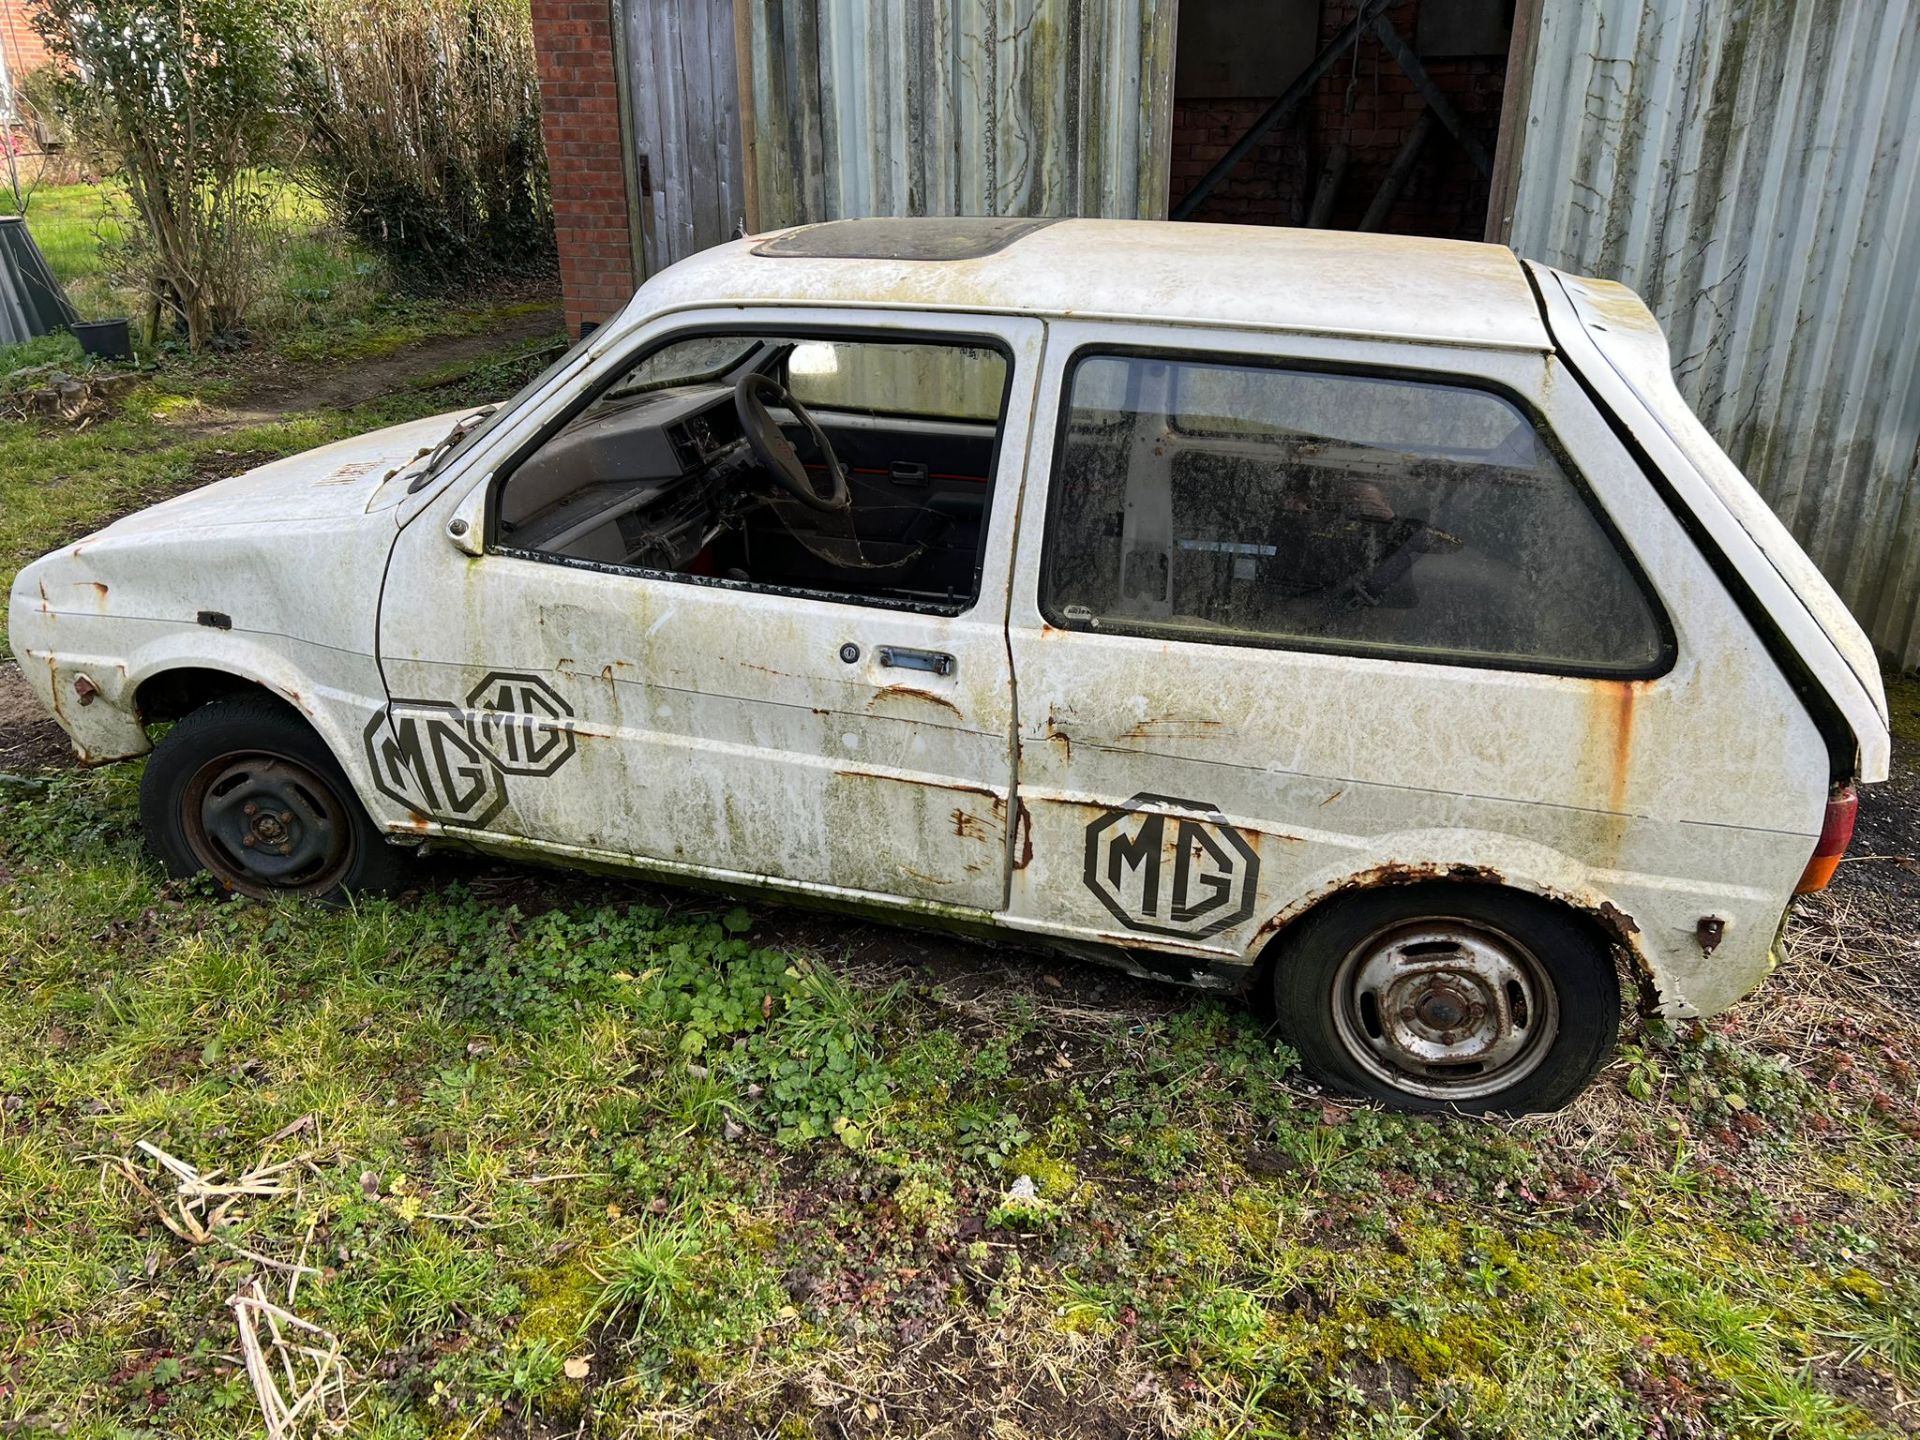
[438, 453]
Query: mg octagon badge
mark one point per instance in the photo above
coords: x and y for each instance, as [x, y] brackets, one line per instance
[1171, 867]
[452, 763]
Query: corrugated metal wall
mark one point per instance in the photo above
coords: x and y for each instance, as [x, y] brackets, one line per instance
[1752, 167]
[958, 107]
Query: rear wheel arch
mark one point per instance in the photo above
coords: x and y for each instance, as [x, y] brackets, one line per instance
[1608, 924]
[1338, 963]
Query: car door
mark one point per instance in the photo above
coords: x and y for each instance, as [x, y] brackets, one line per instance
[740, 731]
[1296, 613]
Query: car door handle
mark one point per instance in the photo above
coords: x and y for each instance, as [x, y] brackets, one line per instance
[904, 659]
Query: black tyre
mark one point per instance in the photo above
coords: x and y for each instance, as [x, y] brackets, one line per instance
[243, 789]
[1458, 998]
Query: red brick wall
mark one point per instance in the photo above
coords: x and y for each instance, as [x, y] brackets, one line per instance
[580, 122]
[1274, 184]
[19, 42]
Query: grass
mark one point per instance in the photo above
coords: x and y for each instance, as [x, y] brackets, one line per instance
[72, 223]
[77, 225]
[589, 1161]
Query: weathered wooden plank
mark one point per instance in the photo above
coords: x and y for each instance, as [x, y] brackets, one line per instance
[684, 99]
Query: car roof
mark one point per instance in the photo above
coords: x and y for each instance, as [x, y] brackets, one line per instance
[1323, 282]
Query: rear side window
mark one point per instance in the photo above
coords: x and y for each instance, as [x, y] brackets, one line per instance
[1250, 505]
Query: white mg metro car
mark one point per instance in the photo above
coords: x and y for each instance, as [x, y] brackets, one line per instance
[1362, 622]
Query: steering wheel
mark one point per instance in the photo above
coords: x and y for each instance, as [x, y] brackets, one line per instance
[753, 397]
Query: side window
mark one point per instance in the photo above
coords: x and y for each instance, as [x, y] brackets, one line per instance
[950, 382]
[1253, 505]
[697, 460]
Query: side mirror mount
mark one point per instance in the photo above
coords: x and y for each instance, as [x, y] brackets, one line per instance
[466, 527]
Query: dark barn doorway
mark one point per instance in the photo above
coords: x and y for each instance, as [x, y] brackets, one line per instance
[1379, 115]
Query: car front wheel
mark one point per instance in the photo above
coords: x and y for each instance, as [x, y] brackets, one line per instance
[244, 790]
[1449, 997]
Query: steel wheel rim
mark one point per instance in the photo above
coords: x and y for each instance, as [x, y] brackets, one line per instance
[266, 824]
[1445, 1009]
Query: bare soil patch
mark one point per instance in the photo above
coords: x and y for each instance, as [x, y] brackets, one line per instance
[277, 388]
[29, 740]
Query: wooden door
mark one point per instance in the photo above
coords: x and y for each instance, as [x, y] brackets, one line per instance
[685, 107]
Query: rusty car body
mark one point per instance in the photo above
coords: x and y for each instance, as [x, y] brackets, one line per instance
[1159, 592]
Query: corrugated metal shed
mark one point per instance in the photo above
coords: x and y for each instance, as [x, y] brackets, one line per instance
[957, 107]
[1752, 167]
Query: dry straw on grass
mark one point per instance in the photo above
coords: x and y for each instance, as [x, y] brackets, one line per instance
[296, 1368]
[1848, 966]
[202, 1202]
[277, 1345]
[423, 129]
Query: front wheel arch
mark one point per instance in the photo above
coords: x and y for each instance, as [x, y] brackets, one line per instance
[290, 762]
[169, 695]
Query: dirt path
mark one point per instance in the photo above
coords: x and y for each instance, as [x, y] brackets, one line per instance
[29, 740]
[281, 388]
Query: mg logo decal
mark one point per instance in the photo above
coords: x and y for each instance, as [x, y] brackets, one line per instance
[1171, 867]
[522, 722]
[452, 763]
[422, 757]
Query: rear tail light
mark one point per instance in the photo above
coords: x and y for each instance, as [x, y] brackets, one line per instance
[1836, 831]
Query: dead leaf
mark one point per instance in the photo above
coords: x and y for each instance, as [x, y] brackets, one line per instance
[292, 1128]
[578, 1368]
[1331, 1114]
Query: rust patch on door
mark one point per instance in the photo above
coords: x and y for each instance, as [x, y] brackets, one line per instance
[908, 692]
[1170, 727]
[967, 825]
[1612, 710]
[1055, 732]
[1623, 715]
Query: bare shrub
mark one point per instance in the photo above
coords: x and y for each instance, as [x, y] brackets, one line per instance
[184, 99]
[423, 121]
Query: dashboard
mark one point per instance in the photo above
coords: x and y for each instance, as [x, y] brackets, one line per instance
[659, 436]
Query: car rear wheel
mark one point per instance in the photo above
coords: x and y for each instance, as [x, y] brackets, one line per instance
[1449, 997]
[244, 790]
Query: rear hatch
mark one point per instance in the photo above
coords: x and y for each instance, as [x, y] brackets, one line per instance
[1615, 345]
